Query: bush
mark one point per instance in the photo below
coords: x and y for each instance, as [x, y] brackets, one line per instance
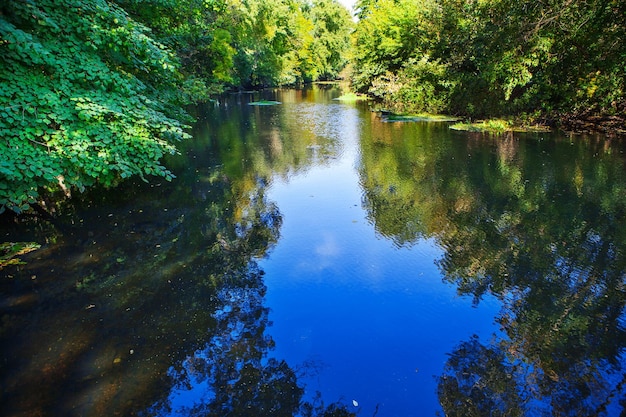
[421, 86]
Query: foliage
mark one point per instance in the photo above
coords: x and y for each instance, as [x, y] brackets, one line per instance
[78, 101]
[319, 42]
[494, 57]
[418, 87]
[388, 35]
[251, 44]
[9, 251]
[91, 91]
[333, 25]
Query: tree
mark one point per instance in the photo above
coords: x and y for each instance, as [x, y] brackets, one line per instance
[199, 33]
[78, 99]
[494, 57]
[332, 27]
[92, 92]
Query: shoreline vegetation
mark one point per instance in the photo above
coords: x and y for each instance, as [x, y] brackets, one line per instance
[610, 126]
[93, 92]
[558, 64]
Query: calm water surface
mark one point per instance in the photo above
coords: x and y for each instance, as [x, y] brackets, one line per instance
[313, 259]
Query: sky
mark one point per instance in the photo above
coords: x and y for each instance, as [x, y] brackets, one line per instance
[348, 3]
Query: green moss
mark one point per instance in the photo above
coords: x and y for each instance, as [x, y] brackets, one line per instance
[497, 126]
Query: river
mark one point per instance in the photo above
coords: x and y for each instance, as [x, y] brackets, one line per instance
[312, 258]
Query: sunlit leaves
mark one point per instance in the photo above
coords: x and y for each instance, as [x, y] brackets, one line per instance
[290, 41]
[9, 252]
[90, 91]
[76, 103]
[501, 56]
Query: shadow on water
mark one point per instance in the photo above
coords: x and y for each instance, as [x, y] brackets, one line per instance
[539, 224]
[151, 293]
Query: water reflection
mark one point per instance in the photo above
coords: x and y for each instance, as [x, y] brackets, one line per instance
[537, 224]
[151, 299]
[233, 375]
[141, 293]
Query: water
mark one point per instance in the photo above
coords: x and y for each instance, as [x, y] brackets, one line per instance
[372, 318]
[312, 258]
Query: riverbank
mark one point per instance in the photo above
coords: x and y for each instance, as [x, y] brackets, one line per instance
[612, 126]
[609, 125]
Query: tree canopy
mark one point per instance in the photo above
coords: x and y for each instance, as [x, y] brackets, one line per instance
[91, 92]
[493, 57]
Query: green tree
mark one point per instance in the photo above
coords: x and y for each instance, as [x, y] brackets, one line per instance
[394, 55]
[80, 99]
[332, 28]
[494, 57]
[91, 92]
[199, 33]
[311, 43]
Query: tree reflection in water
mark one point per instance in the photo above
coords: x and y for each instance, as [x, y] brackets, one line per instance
[478, 379]
[155, 286]
[537, 224]
[232, 374]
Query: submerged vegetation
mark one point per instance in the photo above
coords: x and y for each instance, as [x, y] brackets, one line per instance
[497, 126]
[264, 103]
[423, 117]
[9, 252]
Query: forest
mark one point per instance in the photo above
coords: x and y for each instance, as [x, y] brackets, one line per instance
[550, 59]
[93, 92]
